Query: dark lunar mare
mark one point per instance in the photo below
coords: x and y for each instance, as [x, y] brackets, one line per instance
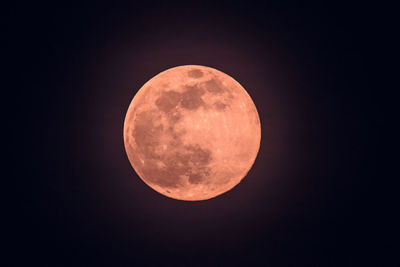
[178, 160]
[195, 73]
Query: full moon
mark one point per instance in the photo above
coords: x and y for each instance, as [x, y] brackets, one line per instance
[192, 133]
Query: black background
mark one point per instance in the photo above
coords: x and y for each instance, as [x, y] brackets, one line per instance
[311, 198]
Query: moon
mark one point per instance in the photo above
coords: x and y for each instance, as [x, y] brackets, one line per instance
[192, 133]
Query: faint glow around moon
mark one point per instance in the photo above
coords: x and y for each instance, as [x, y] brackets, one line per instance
[192, 133]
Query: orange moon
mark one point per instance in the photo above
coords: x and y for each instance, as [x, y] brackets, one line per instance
[192, 133]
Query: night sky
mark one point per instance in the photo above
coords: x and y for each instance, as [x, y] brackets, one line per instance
[311, 198]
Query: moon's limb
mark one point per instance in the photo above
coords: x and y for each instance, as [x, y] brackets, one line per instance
[192, 133]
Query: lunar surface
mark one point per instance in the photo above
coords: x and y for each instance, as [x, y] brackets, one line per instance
[192, 133]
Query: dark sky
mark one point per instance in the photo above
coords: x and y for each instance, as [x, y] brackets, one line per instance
[311, 198]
